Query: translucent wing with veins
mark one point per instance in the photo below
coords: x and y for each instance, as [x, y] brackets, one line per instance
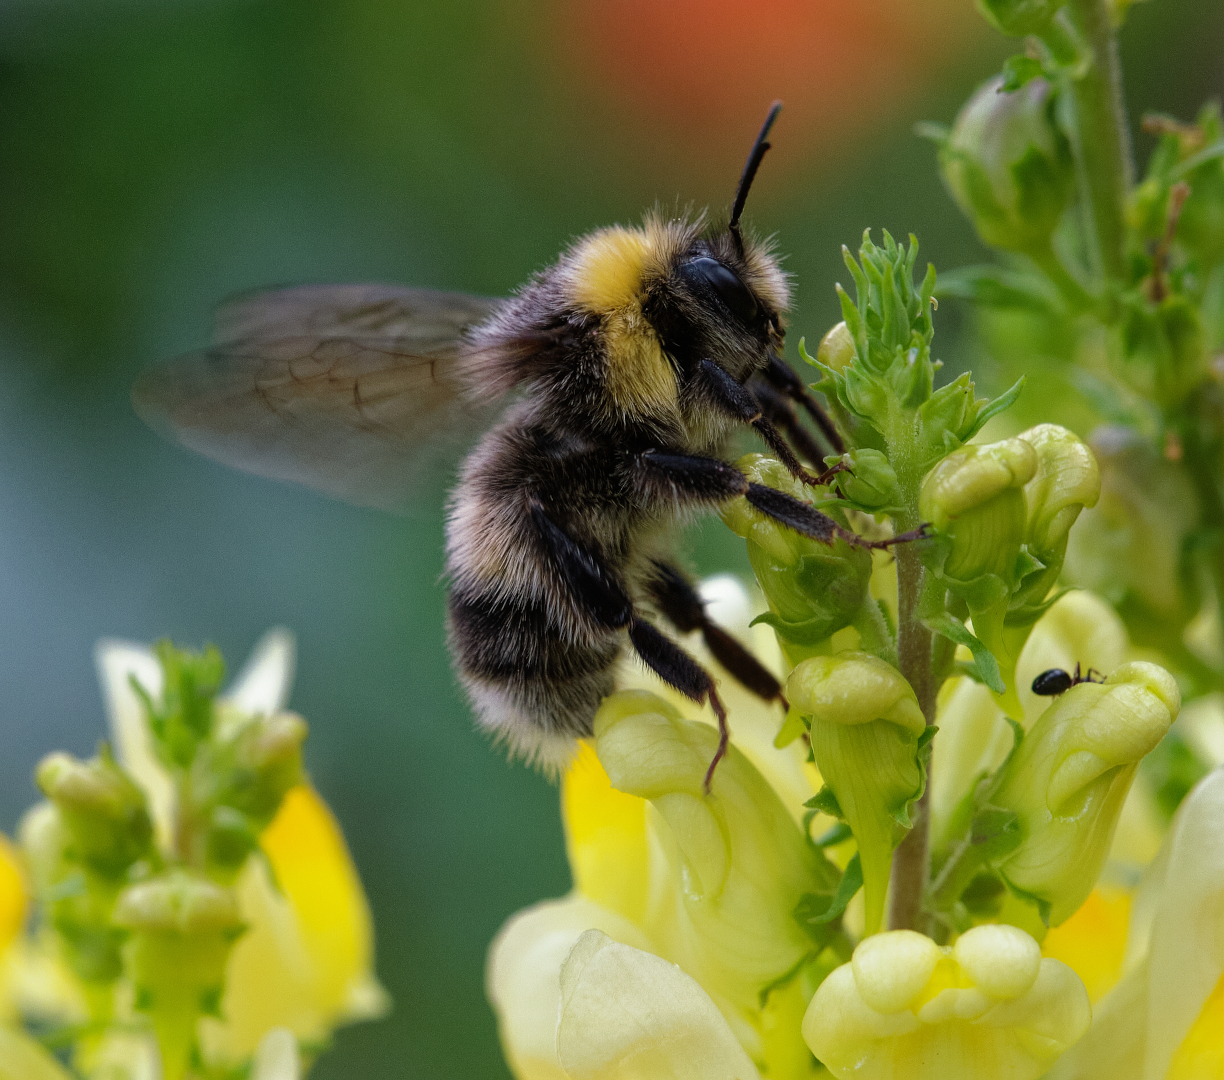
[342, 388]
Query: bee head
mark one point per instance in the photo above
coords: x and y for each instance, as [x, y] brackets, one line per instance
[627, 316]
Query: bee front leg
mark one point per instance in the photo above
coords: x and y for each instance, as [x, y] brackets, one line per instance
[599, 593]
[780, 375]
[731, 398]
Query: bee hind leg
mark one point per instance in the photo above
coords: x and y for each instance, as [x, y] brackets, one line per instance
[676, 668]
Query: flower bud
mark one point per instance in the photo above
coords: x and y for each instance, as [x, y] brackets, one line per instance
[1066, 481]
[975, 497]
[1068, 779]
[182, 927]
[871, 481]
[836, 349]
[1007, 165]
[813, 589]
[101, 807]
[866, 724]
[267, 763]
[906, 1009]
[734, 864]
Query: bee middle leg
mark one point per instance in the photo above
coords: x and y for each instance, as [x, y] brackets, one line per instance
[598, 591]
[685, 610]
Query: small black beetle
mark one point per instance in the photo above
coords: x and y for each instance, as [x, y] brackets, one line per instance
[1056, 681]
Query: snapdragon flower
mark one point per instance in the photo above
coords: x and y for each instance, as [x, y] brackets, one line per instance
[643, 969]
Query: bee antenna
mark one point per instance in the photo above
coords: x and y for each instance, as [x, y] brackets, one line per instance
[749, 174]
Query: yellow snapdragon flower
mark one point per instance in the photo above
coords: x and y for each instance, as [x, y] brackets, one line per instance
[305, 962]
[645, 969]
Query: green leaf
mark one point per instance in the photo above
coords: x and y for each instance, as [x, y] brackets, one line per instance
[836, 835]
[954, 630]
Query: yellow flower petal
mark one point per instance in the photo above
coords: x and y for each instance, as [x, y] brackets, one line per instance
[277, 1057]
[1092, 943]
[905, 1009]
[305, 962]
[1201, 1054]
[629, 1015]
[13, 897]
[605, 837]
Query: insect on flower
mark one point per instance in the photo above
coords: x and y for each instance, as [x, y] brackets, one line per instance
[1056, 681]
[634, 358]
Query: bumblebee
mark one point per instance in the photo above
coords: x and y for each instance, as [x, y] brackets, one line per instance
[633, 359]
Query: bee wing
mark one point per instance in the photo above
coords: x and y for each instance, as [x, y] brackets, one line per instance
[341, 388]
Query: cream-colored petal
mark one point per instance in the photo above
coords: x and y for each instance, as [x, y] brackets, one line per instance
[118, 662]
[1186, 951]
[21, 1058]
[905, 1009]
[523, 976]
[264, 683]
[630, 1015]
[277, 1057]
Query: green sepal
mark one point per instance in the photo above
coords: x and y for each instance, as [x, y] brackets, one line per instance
[1018, 70]
[819, 909]
[826, 802]
[1030, 613]
[993, 407]
[949, 626]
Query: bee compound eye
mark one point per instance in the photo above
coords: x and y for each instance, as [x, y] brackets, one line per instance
[733, 293]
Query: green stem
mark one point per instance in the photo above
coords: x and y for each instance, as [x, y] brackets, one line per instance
[911, 864]
[1100, 137]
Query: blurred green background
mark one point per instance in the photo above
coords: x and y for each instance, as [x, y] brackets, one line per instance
[156, 155]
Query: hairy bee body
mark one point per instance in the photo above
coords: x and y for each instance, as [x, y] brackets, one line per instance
[630, 358]
[607, 345]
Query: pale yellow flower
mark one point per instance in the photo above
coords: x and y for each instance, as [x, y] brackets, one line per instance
[305, 963]
[681, 915]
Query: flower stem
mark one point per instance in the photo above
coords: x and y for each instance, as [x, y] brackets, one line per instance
[911, 865]
[1100, 137]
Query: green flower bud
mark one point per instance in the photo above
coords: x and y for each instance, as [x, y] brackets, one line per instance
[101, 807]
[1069, 777]
[734, 864]
[872, 481]
[865, 729]
[1019, 18]
[1066, 481]
[813, 589]
[836, 349]
[182, 927]
[975, 497]
[1008, 167]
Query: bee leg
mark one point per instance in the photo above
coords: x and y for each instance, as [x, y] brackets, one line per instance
[734, 400]
[685, 610]
[687, 478]
[676, 668]
[779, 411]
[597, 590]
[781, 375]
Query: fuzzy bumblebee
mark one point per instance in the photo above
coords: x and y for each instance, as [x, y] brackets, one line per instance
[633, 358]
